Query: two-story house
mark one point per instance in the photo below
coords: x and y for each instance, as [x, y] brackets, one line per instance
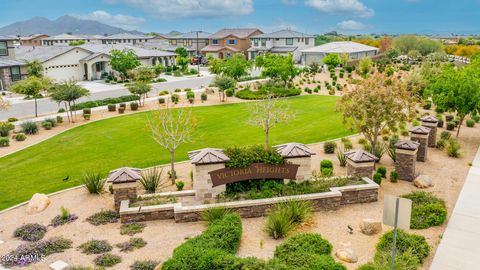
[11, 70]
[227, 42]
[33, 40]
[281, 42]
[192, 41]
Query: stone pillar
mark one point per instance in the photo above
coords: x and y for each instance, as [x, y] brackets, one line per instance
[202, 182]
[360, 169]
[431, 123]
[420, 134]
[304, 172]
[406, 152]
[123, 191]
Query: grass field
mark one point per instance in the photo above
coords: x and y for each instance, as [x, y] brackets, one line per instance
[125, 141]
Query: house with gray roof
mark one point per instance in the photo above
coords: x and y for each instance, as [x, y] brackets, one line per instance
[281, 42]
[354, 51]
[11, 69]
[227, 42]
[192, 41]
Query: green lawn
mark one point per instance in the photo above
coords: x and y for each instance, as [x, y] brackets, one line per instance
[125, 141]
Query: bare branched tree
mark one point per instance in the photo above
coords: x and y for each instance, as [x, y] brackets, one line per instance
[269, 112]
[170, 128]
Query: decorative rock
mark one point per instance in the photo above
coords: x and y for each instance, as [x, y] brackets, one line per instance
[38, 203]
[58, 265]
[423, 181]
[370, 226]
[347, 254]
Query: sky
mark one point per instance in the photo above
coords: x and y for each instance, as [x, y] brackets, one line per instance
[443, 17]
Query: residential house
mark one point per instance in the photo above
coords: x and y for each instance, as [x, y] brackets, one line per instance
[354, 51]
[88, 61]
[11, 70]
[227, 42]
[281, 42]
[195, 40]
[130, 39]
[66, 39]
[33, 40]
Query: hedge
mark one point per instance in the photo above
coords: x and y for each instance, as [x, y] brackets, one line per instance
[427, 210]
[262, 93]
[103, 102]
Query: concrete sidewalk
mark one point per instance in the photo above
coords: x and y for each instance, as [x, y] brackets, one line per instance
[459, 248]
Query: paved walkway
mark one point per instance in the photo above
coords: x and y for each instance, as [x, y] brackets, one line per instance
[459, 248]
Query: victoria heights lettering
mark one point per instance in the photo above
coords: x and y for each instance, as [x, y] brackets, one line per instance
[254, 171]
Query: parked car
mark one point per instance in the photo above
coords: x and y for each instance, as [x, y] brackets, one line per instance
[199, 60]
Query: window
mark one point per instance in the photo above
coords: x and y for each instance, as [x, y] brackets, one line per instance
[15, 73]
[289, 41]
[264, 42]
[215, 42]
[3, 48]
[306, 41]
[232, 42]
[255, 42]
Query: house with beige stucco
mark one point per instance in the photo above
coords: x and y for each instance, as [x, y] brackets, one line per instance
[227, 42]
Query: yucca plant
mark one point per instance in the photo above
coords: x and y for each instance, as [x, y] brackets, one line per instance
[342, 158]
[278, 224]
[151, 180]
[213, 214]
[392, 153]
[94, 182]
[298, 211]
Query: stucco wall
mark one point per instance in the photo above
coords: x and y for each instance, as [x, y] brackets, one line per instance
[66, 66]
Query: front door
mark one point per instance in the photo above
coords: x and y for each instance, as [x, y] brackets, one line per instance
[85, 68]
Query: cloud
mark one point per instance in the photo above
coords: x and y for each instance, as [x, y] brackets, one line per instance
[344, 7]
[118, 20]
[169, 9]
[351, 25]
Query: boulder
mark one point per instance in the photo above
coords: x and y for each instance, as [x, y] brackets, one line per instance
[347, 254]
[370, 226]
[423, 181]
[38, 203]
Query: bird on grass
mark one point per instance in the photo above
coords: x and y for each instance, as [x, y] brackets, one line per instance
[350, 229]
[66, 178]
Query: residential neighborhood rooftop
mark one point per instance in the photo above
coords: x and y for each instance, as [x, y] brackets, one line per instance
[284, 34]
[341, 47]
[41, 53]
[237, 32]
[192, 35]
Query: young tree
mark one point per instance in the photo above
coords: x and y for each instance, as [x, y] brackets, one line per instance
[182, 62]
[144, 74]
[68, 92]
[259, 61]
[224, 83]
[32, 87]
[141, 89]
[457, 90]
[365, 65]
[268, 113]
[314, 68]
[35, 68]
[215, 65]
[332, 60]
[236, 66]
[123, 61]
[182, 52]
[376, 103]
[170, 128]
[279, 67]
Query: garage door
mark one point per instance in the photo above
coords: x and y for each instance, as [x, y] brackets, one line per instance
[64, 73]
[310, 58]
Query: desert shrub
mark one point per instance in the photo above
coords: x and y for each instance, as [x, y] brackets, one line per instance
[151, 180]
[131, 228]
[11, 120]
[95, 247]
[229, 92]
[286, 216]
[103, 217]
[326, 172]
[453, 148]
[61, 110]
[180, 185]
[5, 128]
[382, 171]
[278, 225]
[175, 98]
[393, 176]
[26, 254]
[347, 144]
[242, 157]
[412, 244]
[440, 123]
[4, 141]
[161, 100]
[441, 144]
[134, 106]
[190, 94]
[47, 125]
[427, 105]
[20, 137]
[93, 182]
[104, 102]
[445, 135]
[448, 117]
[476, 118]
[262, 92]
[326, 163]
[427, 210]
[30, 232]
[450, 125]
[112, 107]
[203, 96]
[107, 260]
[329, 147]
[362, 141]
[470, 123]
[212, 214]
[342, 158]
[131, 244]
[53, 121]
[64, 218]
[29, 127]
[144, 265]
[377, 178]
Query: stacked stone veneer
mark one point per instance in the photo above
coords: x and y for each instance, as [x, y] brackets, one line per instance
[421, 135]
[123, 191]
[431, 122]
[202, 182]
[406, 158]
[304, 172]
[362, 169]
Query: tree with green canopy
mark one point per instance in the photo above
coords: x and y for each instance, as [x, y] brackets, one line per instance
[144, 74]
[32, 87]
[236, 66]
[332, 60]
[364, 66]
[123, 61]
[279, 67]
[181, 52]
[34, 68]
[141, 89]
[68, 92]
[215, 65]
[224, 83]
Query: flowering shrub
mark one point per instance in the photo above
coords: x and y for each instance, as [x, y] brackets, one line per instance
[103, 217]
[30, 232]
[64, 218]
[95, 247]
[33, 252]
[130, 245]
[107, 260]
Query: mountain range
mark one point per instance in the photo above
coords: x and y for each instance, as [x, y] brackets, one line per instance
[61, 25]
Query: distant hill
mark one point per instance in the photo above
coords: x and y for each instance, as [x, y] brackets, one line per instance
[61, 25]
[174, 33]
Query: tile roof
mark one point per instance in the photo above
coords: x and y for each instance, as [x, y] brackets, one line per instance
[41, 53]
[407, 145]
[340, 47]
[216, 48]
[294, 150]
[284, 34]
[360, 156]
[420, 130]
[208, 156]
[8, 62]
[140, 52]
[34, 36]
[4, 37]
[429, 119]
[237, 32]
[124, 175]
[282, 49]
[192, 35]
[127, 36]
